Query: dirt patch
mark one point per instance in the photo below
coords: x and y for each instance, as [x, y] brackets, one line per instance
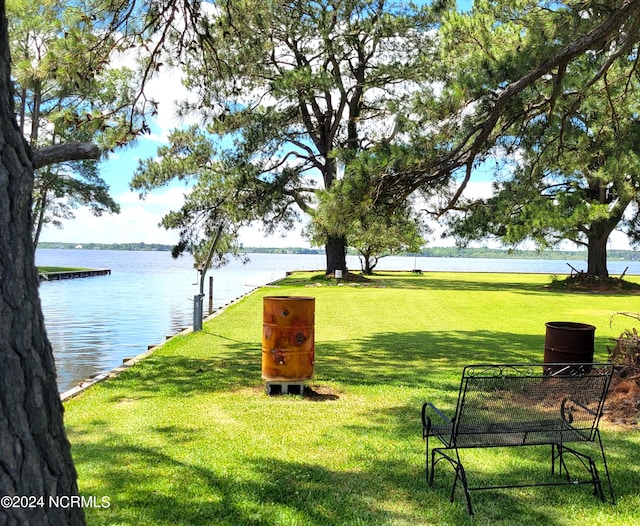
[313, 393]
[320, 393]
[622, 405]
[349, 277]
[583, 282]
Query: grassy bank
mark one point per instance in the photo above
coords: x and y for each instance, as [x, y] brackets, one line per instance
[49, 270]
[188, 436]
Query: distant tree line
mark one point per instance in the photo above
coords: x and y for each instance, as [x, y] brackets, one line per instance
[466, 252]
[282, 250]
[431, 252]
[147, 247]
[483, 252]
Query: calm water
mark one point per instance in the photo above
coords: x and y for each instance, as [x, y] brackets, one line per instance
[94, 323]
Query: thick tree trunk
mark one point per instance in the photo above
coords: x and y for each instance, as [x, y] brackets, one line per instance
[597, 256]
[370, 265]
[336, 246]
[597, 238]
[35, 456]
[336, 252]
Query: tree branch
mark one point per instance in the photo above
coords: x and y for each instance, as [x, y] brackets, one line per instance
[482, 136]
[59, 153]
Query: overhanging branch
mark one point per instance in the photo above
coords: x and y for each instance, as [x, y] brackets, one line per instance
[59, 153]
[482, 136]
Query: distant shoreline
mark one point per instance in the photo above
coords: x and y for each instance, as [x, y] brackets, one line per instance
[434, 252]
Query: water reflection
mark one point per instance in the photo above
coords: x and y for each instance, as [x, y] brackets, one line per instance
[95, 323]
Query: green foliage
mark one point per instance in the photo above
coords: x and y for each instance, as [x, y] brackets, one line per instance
[503, 68]
[575, 165]
[290, 93]
[67, 91]
[60, 190]
[374, 228]
[224, 190]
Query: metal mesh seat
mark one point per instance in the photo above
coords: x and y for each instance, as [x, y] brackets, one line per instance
[522, 405]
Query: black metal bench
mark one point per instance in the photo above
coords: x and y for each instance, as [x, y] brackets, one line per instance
[523, 405]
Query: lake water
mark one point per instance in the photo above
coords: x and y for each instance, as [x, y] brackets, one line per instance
[94, 323]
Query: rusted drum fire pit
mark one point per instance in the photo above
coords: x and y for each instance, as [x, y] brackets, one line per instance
[288, 338]
[568, 342]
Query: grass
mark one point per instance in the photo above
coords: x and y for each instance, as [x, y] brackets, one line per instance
[188, 436]
[49, 270]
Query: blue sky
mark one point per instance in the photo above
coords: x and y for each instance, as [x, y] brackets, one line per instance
[139, 218]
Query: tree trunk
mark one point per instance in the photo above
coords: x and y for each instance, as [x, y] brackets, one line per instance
[35, 456]
[40, 208]
[367, 262]
[336, 251]
[368, 269]
[597, 238]
[336, 246]
[597, 257]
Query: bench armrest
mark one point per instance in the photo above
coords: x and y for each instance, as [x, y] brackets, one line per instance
[579, 404]
[576, 409]
[426, 420]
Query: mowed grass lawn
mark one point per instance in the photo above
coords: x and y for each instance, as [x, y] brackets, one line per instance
[188, 436]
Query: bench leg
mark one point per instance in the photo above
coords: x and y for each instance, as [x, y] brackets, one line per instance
[591, 466]
[588, 463]
[606, 468]
[433, 468]
[561, 465]
[426, 459]
[597, 485]
[460, 475]
[430, 473]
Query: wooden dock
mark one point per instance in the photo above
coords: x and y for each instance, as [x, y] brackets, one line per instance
[74, 274]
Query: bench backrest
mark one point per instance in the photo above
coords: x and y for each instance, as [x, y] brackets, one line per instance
[530, 404]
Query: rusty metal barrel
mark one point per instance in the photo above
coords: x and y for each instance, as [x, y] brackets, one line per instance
[288, 343]
[568, 342]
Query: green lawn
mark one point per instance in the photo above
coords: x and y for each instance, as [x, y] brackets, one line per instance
[188, 436]
[49, 270]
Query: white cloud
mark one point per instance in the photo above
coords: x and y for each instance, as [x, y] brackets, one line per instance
[137, 221]
[160, 138]
[168, 198]
[254, 237]
[167, 89]
[133, 225]
[478, 190]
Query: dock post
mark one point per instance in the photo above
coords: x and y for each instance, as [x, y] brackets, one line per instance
[210, 294]
[197, 312]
